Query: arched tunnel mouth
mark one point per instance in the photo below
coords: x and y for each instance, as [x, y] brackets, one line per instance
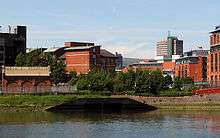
[103, 105]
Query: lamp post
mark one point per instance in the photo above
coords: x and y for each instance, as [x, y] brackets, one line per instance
[3, 64]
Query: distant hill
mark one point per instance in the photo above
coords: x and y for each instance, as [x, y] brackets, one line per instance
[128, 61]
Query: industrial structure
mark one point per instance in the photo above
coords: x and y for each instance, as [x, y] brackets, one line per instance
[12, 43]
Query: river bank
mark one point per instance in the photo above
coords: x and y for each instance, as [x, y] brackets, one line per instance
[31, 103]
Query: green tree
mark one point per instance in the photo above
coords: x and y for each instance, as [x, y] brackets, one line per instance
[178, 83]
[156, 78]
[129, 80]
[20, 60]
[83, 82]
[73, 78]
[188, 80]
[118, 81]
[33, 58]
[142, 82]
[58, 74]
[166, 82]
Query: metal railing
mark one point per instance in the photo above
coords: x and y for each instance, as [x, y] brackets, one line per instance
[39, 89]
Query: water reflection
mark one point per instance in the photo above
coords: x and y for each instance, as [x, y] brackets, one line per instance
[130, 124]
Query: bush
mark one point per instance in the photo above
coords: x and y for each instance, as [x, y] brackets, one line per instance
[124, 81]
[96, 81]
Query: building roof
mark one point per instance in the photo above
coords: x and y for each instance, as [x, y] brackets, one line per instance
[27, 71]
[106, 53]
[52, 49]
[217, 29]
[70, 44]
[147, 64]
[28, 50]
[79, 47]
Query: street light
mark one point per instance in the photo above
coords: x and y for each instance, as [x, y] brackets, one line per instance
[3, 63]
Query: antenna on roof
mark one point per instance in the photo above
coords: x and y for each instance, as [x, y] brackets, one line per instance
[9, 29]
[200, 47]
[168, 33]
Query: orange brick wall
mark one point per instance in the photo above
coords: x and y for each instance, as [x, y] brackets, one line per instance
[169, 66]
[78, 61]
[213, 67]
[190, 70]
[81, 61]
[215, 39]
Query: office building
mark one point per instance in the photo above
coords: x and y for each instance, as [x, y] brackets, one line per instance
[11, 44]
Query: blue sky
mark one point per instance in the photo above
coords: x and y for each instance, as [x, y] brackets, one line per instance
[131, 27]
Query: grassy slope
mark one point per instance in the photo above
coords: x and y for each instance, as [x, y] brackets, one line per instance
[36, 103]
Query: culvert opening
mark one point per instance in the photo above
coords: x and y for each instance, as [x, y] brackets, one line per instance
[103, 104]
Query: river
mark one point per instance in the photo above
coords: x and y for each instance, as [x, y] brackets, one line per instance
[165, 124]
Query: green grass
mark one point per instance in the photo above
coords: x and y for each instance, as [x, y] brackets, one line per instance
[39, 101]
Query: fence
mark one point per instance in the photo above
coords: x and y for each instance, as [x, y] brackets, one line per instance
[38, 89]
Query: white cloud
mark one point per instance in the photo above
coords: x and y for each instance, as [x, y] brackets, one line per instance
[131, 42]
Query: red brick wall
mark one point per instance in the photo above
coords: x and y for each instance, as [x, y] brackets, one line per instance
[81, 61]
[78, 61]
[14, 84]
[190, 70]
[215, 39]
[213, 74]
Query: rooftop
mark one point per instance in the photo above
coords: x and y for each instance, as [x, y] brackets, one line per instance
[27, 71]
[79, 47]
[106, 53]
[217, 29]
[53, 49]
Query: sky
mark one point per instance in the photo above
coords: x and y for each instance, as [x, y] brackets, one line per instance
[130, 27]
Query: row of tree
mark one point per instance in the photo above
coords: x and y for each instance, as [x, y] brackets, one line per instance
[151, 82]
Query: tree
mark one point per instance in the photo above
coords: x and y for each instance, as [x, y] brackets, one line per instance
[129, 80]
[20, 60]
[83, 82]
[156, 78]
[178, 83]
[118, 81]
[188, 80]
[142, 81]
[166, 82]
[73, 78]
[58, 74]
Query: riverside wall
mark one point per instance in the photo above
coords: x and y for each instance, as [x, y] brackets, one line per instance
[190, 102]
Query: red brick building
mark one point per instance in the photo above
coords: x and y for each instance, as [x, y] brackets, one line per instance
[83, 57]
[26, 79]
[194, 67]
[213, 63]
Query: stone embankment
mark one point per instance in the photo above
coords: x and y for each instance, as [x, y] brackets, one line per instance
[207, 102]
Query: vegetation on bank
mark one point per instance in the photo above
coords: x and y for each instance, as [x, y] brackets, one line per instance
[35, 103]
[141, 82]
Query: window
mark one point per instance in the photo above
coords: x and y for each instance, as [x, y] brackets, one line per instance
[94, 59]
